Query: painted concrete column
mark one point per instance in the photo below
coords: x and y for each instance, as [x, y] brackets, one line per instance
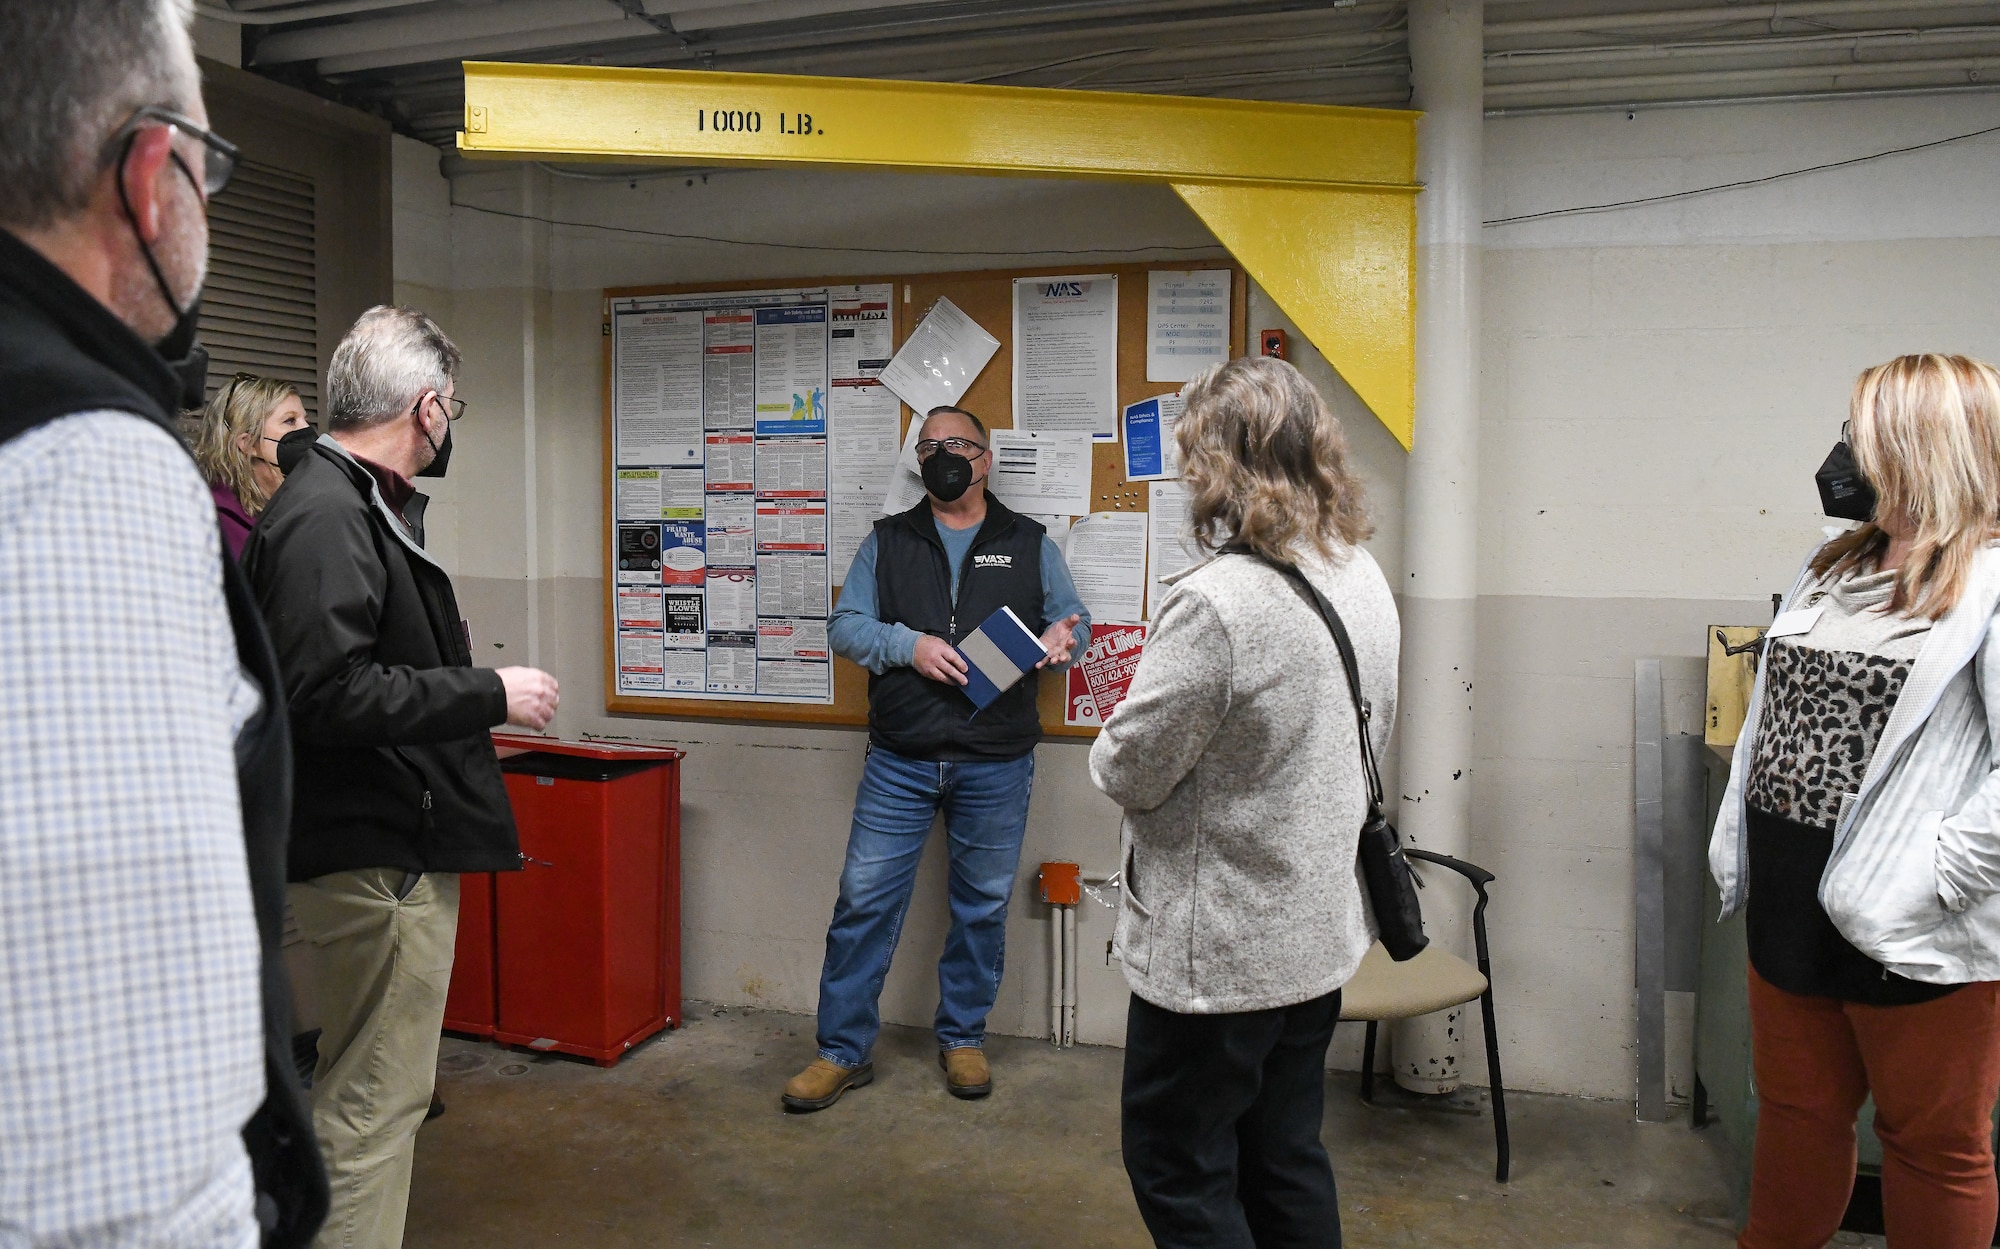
[1441, 480]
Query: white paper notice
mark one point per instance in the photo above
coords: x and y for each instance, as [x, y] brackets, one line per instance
[639, 494]
[1066, 354]
[862, 419]
[851, 512]
[1168, 548]
[1187, 322]
[1041, 471]
[1057, 527]
[1106, 555]
[732, 600]
[940, 359]
[904, 491]
[794, 467]
[657, 375]
[862, 338]
[791, 585]
[732, 520]
[906, 486]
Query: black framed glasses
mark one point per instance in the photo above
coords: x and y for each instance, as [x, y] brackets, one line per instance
[957, 446]
[453, 407]
[218, 155]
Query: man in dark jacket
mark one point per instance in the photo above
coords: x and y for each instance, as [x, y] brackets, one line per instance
[922, 582]
[147, 1094]
[399, 788]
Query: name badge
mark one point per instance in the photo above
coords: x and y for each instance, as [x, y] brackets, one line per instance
[1795, 622]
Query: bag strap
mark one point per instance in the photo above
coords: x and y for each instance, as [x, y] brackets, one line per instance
[1363, 711]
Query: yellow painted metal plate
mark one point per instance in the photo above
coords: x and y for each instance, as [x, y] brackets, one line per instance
[1341, 264]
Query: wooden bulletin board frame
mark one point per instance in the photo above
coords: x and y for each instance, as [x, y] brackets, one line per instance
[987, 297]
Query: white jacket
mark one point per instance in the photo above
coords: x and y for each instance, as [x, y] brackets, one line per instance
[1914, 878]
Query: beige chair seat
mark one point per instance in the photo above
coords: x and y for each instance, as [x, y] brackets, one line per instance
[1385, 989]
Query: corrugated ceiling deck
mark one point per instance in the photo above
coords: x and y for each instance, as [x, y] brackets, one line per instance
[399, 58]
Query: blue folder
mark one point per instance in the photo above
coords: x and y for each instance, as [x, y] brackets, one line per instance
[997, 654]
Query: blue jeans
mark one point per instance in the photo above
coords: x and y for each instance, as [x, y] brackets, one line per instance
[985, 813]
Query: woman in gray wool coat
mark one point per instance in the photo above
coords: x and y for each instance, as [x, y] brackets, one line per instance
[1237, 761]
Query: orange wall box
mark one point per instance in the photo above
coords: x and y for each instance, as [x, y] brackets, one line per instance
[582, 951]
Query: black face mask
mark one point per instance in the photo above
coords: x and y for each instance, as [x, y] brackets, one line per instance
[947, 476]
[440, 461]
[293, 447]
[1844, 493]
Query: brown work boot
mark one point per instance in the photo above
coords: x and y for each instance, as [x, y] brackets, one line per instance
[965, 1071]
[821, 1084]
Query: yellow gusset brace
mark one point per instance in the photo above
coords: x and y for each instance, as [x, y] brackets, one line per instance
[1316, 202]
[1341, 265]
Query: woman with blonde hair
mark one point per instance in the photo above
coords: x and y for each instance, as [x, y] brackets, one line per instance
[1860, 831]
[236, 444]
[1237, 757]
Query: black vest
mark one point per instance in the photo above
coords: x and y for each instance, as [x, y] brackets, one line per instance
[62, 352]
[908, 712]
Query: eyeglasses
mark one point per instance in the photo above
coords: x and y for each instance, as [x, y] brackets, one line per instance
[957, 446]
[218, 156]
[1847, 432]
[453, 407]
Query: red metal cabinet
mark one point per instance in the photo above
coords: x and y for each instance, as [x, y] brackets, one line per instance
[471, 1005]
[585, 939]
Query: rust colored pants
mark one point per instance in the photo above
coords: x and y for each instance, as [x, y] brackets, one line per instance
[1934, 1069]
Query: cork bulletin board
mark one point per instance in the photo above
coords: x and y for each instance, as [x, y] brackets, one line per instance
[987, 298]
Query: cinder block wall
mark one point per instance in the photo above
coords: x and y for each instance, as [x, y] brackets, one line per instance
[1659, 385]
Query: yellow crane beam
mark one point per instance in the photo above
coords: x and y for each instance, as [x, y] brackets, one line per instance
[1317, 202]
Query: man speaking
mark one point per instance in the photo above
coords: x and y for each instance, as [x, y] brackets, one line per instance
[921, 582]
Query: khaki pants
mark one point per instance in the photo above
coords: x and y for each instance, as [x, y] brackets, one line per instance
[380, 968]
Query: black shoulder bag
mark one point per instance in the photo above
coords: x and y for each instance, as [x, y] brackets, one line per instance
[1392, 886]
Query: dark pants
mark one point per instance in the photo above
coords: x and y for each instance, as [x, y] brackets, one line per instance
[1221, 1126]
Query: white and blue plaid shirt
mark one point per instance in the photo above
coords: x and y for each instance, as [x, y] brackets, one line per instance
[131, 1040]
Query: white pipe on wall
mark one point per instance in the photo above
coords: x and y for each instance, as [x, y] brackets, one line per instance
[1059, 973]
[1070, 973]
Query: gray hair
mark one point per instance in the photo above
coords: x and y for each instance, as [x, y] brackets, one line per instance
[76, 69]
[391, 355]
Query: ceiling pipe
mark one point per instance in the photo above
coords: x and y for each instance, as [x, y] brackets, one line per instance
[990, 67]
[526, 42]
[1724, 101]
[1723, 77]
[1106, 18]
[381, 34]
[220, 11]
[1122, 17]
[1769, 13]
[1536, 58]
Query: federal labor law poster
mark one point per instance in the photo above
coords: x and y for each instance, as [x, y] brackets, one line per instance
[728, 417]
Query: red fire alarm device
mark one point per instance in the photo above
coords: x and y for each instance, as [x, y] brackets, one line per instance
[1272, 344]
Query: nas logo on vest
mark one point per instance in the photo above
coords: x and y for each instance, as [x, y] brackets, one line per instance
[992, 561]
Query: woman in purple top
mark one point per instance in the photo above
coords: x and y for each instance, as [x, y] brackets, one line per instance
[235, 442]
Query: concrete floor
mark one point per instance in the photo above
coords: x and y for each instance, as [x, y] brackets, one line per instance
[683, 1144]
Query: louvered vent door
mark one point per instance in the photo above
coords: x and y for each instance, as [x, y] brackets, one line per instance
[259, 309]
